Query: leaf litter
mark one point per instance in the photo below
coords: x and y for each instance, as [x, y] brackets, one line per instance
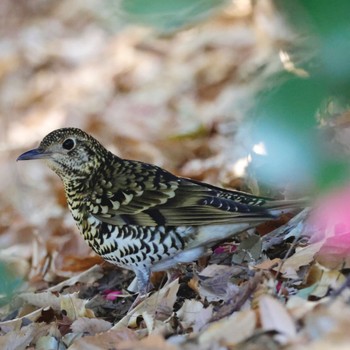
[149, 97]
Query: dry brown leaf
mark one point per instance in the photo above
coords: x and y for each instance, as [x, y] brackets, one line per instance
[324, 344]
[193, 314]
[42, 299]
[16, 323]
[275, 317]
[152, 342]
[16, 258]
[215, 283]
[78, 264]
[231, 330]
[159, 303]
[194, 284]
[324, 280]
[326, 327]
[90, 326]
[89, 276]
[299, 307]
[302, 257]
[72, 256]
[47, 342]
[267, 264]
[106, 340]
[74, 306]
[20, 339]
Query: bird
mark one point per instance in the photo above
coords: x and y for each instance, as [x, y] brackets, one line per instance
[140, 216]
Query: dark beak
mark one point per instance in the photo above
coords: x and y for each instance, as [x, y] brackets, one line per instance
[36, 153]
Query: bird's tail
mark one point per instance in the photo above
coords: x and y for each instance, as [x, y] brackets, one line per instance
[210, 234]
[279, 207]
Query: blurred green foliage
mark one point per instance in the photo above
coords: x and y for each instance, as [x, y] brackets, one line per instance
[9, 283]
[286, 116]
[331, 26]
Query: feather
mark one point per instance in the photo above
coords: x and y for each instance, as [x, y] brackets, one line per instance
[158, 198]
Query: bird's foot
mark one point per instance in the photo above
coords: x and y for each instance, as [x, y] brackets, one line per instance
[144, 289]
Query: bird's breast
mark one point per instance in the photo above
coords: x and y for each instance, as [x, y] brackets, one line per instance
[131, 245]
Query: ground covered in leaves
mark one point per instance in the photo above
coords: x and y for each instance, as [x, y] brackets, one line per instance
[177, 100]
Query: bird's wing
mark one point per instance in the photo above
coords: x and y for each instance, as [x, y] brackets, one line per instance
[146, 195]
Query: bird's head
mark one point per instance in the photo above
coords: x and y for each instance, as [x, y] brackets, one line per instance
[69, 152]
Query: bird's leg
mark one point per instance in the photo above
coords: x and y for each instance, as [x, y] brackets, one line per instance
[143, 280]
[144, 285]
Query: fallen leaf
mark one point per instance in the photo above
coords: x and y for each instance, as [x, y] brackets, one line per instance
[90, 326]
[152, 342]
[231, 330]
[215, 283]
[328, 324]
[158, 303]
[47, 342]
[193, 314]
[42, 299]
[20, 339]
[73, 306]
[16, 323]
[106, 340]
[267, 264]
[298, 307]
[89, 276]
[275, 317]
[248, 250]
[302, 257]
[324, 280]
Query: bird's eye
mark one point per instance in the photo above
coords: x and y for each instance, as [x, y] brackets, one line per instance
[68, 144]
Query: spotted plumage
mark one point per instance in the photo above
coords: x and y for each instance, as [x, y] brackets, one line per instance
[139, 216]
